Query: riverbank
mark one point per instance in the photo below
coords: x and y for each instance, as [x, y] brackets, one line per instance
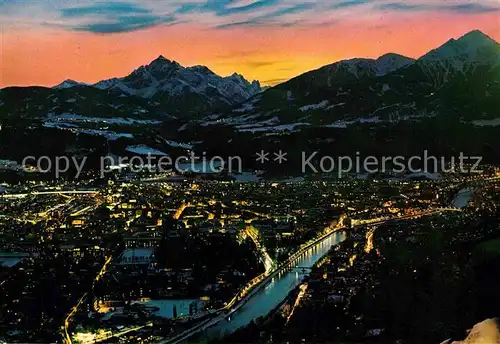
[420, 281]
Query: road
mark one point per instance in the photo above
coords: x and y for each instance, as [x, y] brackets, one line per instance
[67, 337]
[265, 257]
[248, 291]
[180, 210]
[60, 192]
[67, 321]
[124, 332]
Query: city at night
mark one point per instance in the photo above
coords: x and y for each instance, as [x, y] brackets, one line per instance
[250, 171]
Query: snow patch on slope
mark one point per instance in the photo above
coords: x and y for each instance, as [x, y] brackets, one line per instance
[343, 124]
[108, 134]
[69, 117]
[487, 122]
[179, 144]
[320, 105]
[68, 84]
[289, 127]
[144, 150]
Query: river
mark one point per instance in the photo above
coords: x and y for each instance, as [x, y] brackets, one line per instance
[462, 198]
[272, 294]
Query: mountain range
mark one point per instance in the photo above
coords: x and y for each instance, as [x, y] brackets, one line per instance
[453, 89]
[167, 81]
[460, 78]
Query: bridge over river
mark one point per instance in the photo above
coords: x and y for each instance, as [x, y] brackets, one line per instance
[268, 292]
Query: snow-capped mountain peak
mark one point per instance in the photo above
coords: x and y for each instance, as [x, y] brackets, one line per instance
[162, 65]
[391, 62]
[240, 80]
[237, 77]
[200, 69]
[105, 84]
[467, 48]
[477, 37]
[359, 68]
[162, 58]
[164, 79]
[68, 83]
[460, 57]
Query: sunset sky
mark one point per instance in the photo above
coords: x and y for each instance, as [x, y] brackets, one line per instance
[44, 42]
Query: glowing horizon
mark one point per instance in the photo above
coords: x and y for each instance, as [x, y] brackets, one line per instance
[44, 43]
